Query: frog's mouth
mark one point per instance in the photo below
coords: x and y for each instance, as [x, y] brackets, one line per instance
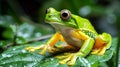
[53, 23]
[59, 26]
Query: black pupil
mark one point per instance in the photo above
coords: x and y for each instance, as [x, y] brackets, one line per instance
[64, 14]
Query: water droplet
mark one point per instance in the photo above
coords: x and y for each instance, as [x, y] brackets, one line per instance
[3, 63]
[6, 55]
[57, 64]
[34, 63]
[10, 66]
[38, 34]
[25, 66]
[23, 51]
[51, 59]
[14, 49]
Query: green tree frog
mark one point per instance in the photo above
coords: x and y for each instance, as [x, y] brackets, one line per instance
[77, 33]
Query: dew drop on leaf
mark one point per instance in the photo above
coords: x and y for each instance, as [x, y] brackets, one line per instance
[23, 51]
[10, 66]
[51, 59]
[14, 49]
[25, 66]
[6, 55]
[3, 63]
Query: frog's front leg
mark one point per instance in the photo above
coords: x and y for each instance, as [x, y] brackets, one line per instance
[83, 51]
[102, 43]
[49, 46]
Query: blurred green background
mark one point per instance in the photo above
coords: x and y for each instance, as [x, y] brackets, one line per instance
[25, 18]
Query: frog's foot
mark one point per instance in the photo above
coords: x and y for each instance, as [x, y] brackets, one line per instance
[44, 48]
[99, 51]
[69, 58]
[102, 43]
[32, 48]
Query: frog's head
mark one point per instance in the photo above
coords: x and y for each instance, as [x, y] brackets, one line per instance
[62, 18]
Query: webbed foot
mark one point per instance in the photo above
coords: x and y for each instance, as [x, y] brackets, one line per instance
[44, 48]
[68, 58]
[102, 43]
[32, 48]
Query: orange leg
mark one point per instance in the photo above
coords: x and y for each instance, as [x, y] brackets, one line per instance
[70, 58]
[49, 46]
[102, 43]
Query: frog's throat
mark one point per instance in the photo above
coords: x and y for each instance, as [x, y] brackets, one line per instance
[60, 27]
[66, 33]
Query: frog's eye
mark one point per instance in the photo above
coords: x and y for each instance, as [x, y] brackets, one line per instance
[65, 14]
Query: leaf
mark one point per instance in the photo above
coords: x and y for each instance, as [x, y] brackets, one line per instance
[25, 30]
[82, 62]
[18, 57]
[107, 56]
[2, 43]
[14, 28]
[21, 40]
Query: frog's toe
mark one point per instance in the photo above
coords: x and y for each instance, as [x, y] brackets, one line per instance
[52, 50]
[102, 51]
[32, 49]
[95, 51]
[99, 51]
[69, 59]
[63, 56]
[72, 60]
[49, 49]
[44, 49]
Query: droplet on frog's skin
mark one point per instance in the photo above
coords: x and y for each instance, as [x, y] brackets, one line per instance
[23, 51]
[6, 55]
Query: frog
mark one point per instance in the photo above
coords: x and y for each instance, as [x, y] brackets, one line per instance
[76, 33]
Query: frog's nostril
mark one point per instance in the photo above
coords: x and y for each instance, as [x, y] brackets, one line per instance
[47, 11]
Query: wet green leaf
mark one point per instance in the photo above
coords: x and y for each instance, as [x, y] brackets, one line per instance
[2, 43]
[17, 56]
[14, 28]
[21, 40]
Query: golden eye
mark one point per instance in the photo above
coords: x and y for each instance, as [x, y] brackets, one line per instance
[65, 14]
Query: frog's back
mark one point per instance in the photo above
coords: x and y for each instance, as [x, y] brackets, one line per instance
[85, 26]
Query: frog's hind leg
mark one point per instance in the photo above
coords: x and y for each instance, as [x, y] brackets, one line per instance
[71, 58]
[102, 43]
[84, 50]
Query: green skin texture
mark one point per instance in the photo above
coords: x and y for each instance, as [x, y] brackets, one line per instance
[75, 23]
